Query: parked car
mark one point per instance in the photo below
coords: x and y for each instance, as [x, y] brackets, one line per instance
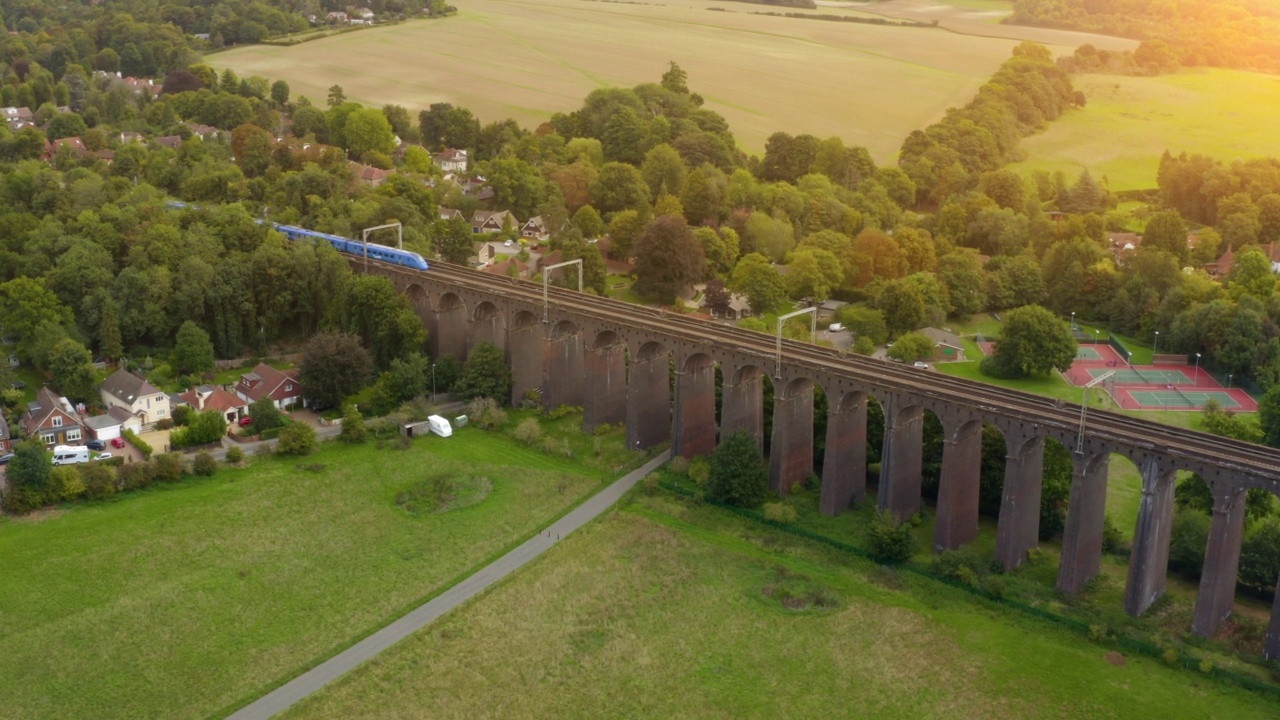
[5, 458]
[96, 444]
[104, 456]
[18, 385]
[836, 327]
[922, 365]
[117, 442]
[245, 421]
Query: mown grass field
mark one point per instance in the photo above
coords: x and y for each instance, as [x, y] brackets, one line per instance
[189, 600]
[868, 84]
[1130, 121]
[669, 610]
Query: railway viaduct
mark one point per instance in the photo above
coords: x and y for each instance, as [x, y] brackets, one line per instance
[614, 360]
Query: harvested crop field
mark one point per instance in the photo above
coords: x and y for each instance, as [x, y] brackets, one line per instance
[869, 84]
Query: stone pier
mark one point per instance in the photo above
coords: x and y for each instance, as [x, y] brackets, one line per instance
[900, 461]
[564, 383]
[1086, 518]
[649, 398]
[844, 465]
[606, 392]
[695, 421]
[959, 486]
[1149, 558]
[1018, 528]
[742, 403]
[1217, 594]
[791, 449]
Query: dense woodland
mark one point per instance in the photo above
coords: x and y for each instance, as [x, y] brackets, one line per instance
[1218, 33]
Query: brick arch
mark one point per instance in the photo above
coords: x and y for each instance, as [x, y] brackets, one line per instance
[451, 326]
[487, 326]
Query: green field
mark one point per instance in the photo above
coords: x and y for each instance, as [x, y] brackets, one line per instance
[189, 600]
[1130, 121]
[868, 84]
[677, 611]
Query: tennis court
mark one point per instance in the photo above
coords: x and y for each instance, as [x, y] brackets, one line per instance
[1179, 399]
[1087, 352]
[1149, 376]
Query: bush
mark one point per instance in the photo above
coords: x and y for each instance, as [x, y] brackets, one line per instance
[353, 429]
[1187, 539]
[99, 480]
[563, 411]
[297, 439]
[180, 415]
[963, 564]
[65, 483]
[529, 432]
[202, 428]
[888, 541]
[699, 470]
[165, 424]
[168, 468]
[204, 464]
[1260, 557]
[1112, 539]
[486, 374]
[487, 413]
[235, 454]
[679, 464]
[134, 476]
[137, 442]
[738, 475]
[779, 512]
[265, 415]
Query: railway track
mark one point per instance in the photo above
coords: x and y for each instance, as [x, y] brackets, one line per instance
[1176, 443]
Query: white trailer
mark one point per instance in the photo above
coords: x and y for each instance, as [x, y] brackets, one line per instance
[440, 426]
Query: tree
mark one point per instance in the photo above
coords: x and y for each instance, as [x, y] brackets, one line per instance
[28, 476]
[864, 322]
[889, 541]
[961, 273]
[1269, 416]
[297, 439]
[280, 93]
[624, 229]
[193, 350]
[72, 368]
[367, 130]
[410, 377]
[814, 274]
[716, 298]
[265, 415]
[738, 474]
[485, 374]
[353, 428]
[756, 278]
[454, 240]
[1166, 231]
[620, 187]
[66, 125]
[903, 306]
[110, 344]
[912, 346]
[334, 365]
[668, 259]
[336, 95]
[664, 171]
[202, 427]
[1034, 341]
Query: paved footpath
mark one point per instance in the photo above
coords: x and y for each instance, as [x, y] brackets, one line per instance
[285, 696]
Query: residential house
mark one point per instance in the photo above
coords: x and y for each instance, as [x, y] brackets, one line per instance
[739, 307]
[947, 346]
[112, 423]
[208, 397]
[509, 266]
[369, 175]
[535, 229]
[1123, 244]
[6, 442]
[76, 144]
[1222, 265]
[451, 160]
[131, 137]
[489, 221]
[267, 382]
[336, 16]
[452, 214]
[16, 113]
[170, 141]
[205, 132]
[52, 419]
[477, 187]
[140, 398]
[828, 309]
[140, 86]
[363, 13]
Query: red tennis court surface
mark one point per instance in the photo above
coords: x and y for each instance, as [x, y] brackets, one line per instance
[1154, 387]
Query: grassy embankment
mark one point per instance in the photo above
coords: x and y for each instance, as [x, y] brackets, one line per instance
[670, 609]
[186, 601]
[1130, 121]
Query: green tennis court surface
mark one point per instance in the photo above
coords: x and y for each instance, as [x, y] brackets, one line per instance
[1180, 398]
[1084, 352]
[1130, 376]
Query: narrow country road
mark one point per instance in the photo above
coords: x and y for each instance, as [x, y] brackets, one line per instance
[287, 695]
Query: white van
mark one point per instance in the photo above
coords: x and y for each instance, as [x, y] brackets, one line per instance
[440, 426]
[70, 454]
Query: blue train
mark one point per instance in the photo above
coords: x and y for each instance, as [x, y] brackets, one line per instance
[348, 246]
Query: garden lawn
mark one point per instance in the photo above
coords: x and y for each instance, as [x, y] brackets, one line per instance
[189, 600]
[679, 611]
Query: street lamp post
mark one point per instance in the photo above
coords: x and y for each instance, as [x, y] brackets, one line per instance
[1197, 369]
[433, 383]
[1155, 347]
[1073, 320]
[1228, 381]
